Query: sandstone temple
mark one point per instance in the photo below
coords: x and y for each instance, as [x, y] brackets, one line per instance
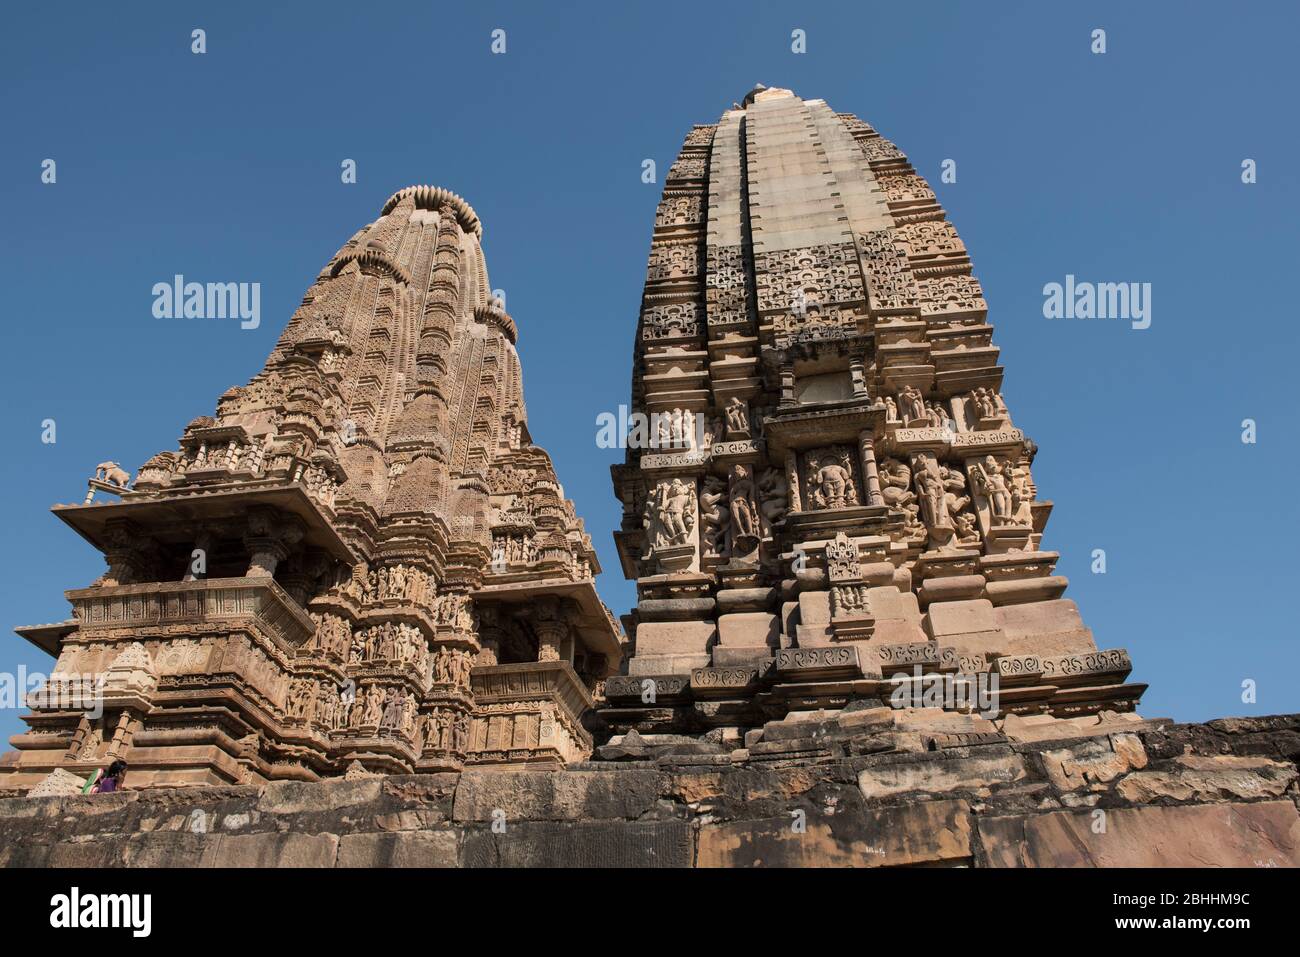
[360, 561]
[837, 492]
[356, 595]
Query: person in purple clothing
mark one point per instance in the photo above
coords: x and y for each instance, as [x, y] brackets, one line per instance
[112, 779]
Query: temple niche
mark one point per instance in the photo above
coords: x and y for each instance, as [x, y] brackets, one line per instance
[865, 504]
[360, 562]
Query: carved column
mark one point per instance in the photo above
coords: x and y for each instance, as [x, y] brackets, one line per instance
[489, 634]
[269, 539]
[552, 629]
[792, 479]
[870, 476]
[128, 553]
[203, 545]
[858, 378]
[787, 385]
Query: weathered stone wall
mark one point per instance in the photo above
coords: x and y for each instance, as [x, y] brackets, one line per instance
[1222, 793]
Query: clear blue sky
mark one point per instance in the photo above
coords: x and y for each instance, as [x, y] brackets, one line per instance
[1118, 167]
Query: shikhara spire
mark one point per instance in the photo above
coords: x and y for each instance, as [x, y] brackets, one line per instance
[842, 495]
[361, 561]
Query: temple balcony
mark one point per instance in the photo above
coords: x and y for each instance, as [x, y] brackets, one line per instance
[257, 604]
[528, 713]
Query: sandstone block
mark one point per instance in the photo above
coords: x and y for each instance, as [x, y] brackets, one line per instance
[596, 844]
[930, 774]
[674, 638]
[1092, 765]
[1266, 834]
[932, 832]
[555, 795]
[1196, 778]
[748, 629]
[296, 797]
[434, 848]
[270, 850]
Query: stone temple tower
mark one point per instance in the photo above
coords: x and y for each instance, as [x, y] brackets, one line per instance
[832, 490]
[360, 563]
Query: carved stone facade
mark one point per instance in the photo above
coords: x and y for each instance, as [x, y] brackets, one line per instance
[866, 504]
[360, 560]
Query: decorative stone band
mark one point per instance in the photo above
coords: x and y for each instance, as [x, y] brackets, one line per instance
[674, 460]
[931, 656]
[739, 449]
[722, 682]
[943, 440]
[830, 662]
[911, 653]
[634, 689]
[969, 440]
[1113, 664]
[943, 740]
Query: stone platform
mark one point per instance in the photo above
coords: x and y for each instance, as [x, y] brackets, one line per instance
[857, 788]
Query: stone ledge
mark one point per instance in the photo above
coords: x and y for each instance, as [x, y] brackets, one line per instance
[1222, 793]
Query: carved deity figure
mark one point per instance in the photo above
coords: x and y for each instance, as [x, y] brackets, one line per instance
[744, 514]
[848, 600]
[673, 513]
[954, 484]
[931, 492]
[968, 532]
[938, 415]
[830, 481]
[991, 481]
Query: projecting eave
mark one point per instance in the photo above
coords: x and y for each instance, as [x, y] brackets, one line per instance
[47, 637]
[172, 517]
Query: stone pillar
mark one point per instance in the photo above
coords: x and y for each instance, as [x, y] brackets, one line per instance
[489, 633]
[269, 540]
[203, 544]
[870, 476]
[265, 553]
[552, 629]
[128, 553]
[858, 378]
[787, 386]
[792, 479]
[296, 582]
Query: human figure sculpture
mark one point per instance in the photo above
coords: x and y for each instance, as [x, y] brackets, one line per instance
[912, 404]
[737, 415]
[931, 493]
[744, 518]
[674, 513]
[774, 497]
[991, 482]
[714, 517]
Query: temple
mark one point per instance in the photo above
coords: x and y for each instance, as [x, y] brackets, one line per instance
[360, 564]
[832, 493]
[357, 598]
